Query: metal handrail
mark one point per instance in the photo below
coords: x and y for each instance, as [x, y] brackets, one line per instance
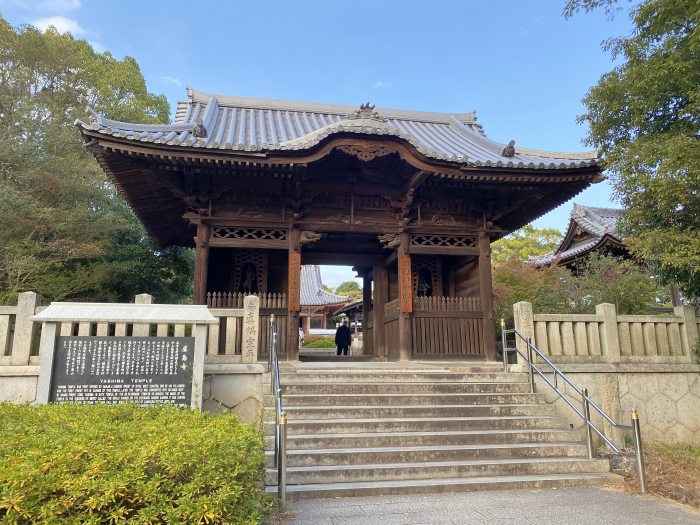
[587, 402]
[280, 459]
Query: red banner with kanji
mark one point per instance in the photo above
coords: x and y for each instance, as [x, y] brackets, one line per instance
[294, 299]
[405, 284]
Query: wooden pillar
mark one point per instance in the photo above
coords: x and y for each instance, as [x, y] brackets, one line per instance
[294, 295]
[381, 296]
[486, 295]
[405, 349]
[201, 263]
[367, 347]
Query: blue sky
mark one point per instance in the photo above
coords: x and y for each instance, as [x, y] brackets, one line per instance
[519, 64]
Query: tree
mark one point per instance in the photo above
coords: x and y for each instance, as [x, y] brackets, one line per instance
[645, 117]
[525, 242]
[600, 279]
[350, 288]
[64, 232]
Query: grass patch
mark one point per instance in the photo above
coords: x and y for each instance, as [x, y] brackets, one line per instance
[68, 463]
[319, 341]
[672, 471]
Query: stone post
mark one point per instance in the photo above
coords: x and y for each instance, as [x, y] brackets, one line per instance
[142, 330]
[251, 329]
[25, 329]
[610, 393]
[609, 335]
[524, 323]
[689, 331]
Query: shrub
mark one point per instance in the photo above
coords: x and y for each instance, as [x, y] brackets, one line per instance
[319, 341]
[70, 463]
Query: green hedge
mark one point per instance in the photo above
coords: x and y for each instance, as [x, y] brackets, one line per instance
[319, 341]
[67, 463]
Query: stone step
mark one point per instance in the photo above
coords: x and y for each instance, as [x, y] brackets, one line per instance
[369, 388]
[417, 454]
[440, 470]
[422, 486]
[383, 376]
[419, 439]
[416, 424]
[383, 411]
[407, 399]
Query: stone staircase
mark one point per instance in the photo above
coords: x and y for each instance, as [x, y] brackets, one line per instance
[361, 429]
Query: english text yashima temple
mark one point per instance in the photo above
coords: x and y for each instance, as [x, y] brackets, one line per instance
[412, 200]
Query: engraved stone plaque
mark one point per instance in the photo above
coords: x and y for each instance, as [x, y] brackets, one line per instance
[141, 370]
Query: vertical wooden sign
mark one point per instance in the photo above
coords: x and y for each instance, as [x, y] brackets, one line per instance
[294, 300]
[405, 284]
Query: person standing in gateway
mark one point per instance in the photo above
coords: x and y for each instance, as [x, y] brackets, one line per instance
[343, 339]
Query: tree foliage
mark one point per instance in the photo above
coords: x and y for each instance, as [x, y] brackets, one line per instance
[525, 242]
[350, 288]
[64, 232]
[645, 117]
[600, 279]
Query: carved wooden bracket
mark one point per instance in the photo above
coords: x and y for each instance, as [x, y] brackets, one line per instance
[368, 152]
[389, 241]
[308, 237]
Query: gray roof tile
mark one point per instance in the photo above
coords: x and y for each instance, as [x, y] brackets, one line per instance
[312, 292]
[248, 124]
[598, 222]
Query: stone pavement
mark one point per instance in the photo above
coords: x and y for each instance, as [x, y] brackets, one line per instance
[574, 506]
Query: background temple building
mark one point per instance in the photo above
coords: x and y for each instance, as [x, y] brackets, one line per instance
[589, 230]
[412, 200]
[317, 303]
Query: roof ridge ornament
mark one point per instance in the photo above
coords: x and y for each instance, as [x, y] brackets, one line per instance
[509, 150]
[366, 111]
[200, 130]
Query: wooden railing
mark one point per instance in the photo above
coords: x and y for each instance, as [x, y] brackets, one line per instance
[447, 304]
[235, 300]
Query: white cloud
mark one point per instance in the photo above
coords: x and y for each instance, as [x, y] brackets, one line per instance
[381, 84]
[171, 81]
[99, 48]
[61, 23]
[44, 6]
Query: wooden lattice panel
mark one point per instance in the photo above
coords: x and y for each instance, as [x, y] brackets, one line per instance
[459, 241]
[252, 234]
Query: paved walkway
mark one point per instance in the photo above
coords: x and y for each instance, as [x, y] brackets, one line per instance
[580, 506]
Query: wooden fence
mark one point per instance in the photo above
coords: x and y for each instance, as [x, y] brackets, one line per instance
[608, 337]
[447, 326]
[20, 336]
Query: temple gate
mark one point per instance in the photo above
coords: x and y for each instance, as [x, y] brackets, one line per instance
[412, 200]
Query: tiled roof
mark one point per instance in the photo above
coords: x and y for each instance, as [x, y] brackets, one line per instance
[600, 223]
[258, 125]
[312, 292]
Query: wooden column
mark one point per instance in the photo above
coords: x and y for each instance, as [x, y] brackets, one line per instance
[366, 312]
[381, 296]
[294, 295]
[486, 295]
[405, 350]
[201, 263]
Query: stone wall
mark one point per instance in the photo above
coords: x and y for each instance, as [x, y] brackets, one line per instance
[667, 398]
[236, 388]
[625, 362]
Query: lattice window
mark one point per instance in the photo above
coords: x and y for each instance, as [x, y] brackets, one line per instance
[244, 260]
[461, 241]
[424, 265]
[250, 234]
